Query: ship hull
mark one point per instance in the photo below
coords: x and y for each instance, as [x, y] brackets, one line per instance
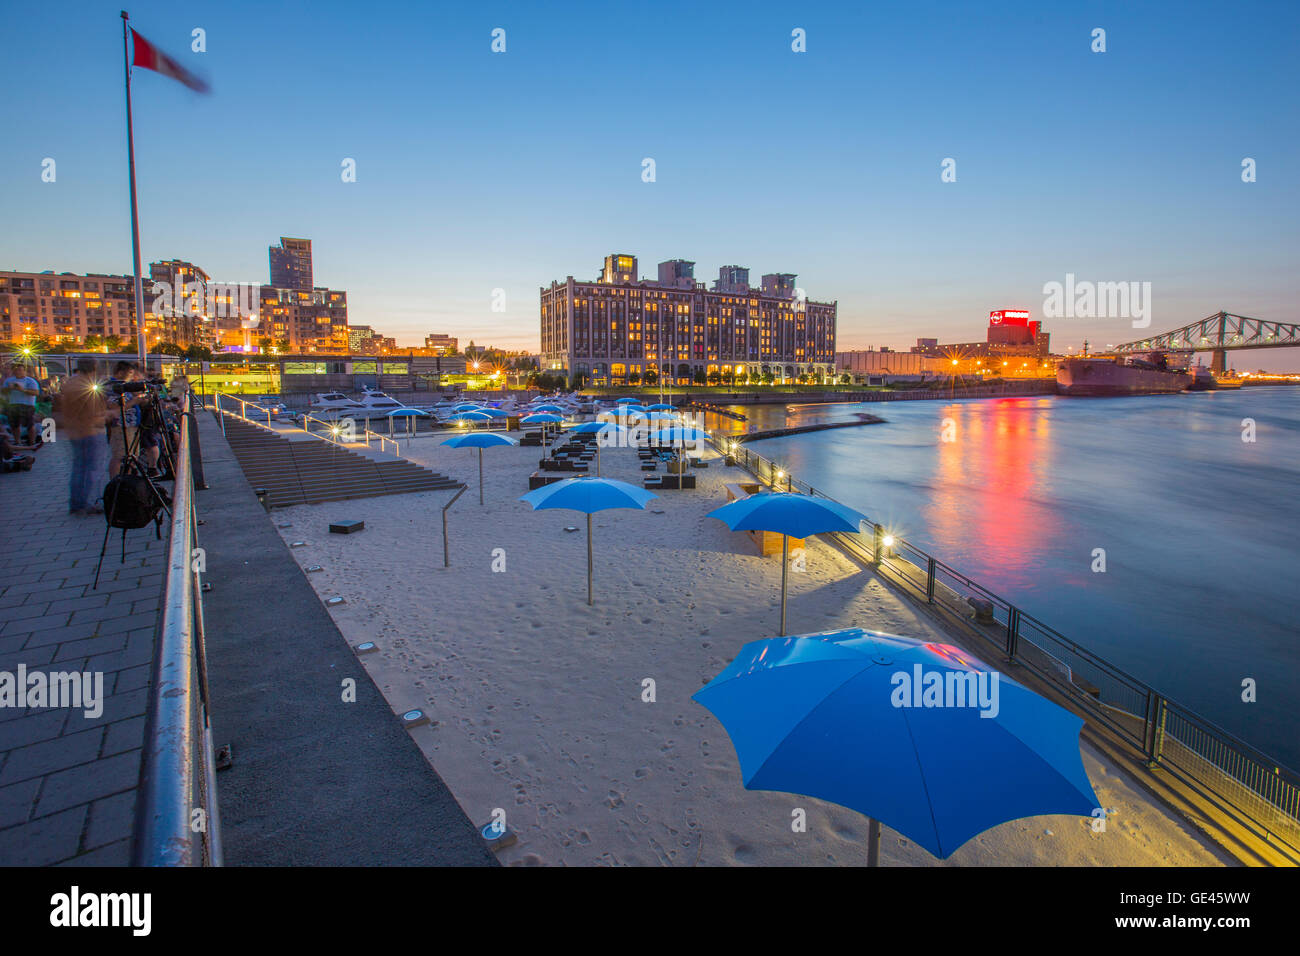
[1100, 378]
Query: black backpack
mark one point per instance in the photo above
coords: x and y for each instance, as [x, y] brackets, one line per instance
[129, 502]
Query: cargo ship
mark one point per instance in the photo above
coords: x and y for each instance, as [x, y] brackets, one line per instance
[1144, 374]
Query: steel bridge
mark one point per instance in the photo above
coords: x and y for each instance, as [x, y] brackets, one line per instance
[1219, 334]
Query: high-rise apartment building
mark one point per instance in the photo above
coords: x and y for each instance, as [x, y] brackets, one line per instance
[66, 309]
[620, 326]
[291, 264]
[439, 342]
[183, 306]
[312, 321]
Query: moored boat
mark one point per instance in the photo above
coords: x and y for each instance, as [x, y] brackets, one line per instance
[1145, 374]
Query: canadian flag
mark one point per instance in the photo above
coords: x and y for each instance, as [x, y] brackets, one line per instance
[151, 58]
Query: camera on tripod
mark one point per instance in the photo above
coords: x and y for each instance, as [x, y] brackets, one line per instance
[122, 388]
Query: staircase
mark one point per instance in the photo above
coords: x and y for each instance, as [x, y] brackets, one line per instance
[311, 470]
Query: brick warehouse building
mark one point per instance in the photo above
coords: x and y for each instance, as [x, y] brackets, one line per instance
[619, 326]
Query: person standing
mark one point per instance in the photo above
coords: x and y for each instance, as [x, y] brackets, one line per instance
[84, 411]
[23, 391]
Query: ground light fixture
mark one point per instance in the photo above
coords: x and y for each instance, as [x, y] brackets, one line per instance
[366, 647]
[414, 718]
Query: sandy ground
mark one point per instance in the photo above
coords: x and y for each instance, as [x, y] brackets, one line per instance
[536, 698]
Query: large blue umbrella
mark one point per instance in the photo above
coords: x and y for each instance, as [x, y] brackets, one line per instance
[588, 495]
[679, 435]
[466, 407]
[410, 414]
[542, 418]
[625, 401]
[471, 416]
[791, 516]
[480, 440]
[920, 736]
[598, 429]
[548, 408]
[660, 407]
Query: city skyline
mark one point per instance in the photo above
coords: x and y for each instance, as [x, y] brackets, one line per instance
[1122, 166]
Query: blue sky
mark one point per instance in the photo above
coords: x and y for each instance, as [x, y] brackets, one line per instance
[478, 171]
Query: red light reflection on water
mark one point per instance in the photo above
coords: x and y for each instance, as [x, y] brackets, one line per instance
[983, 511]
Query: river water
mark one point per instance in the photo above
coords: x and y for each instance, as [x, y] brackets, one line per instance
[1199, 527]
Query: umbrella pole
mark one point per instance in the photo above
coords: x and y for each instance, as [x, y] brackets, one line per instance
[597, 456]
[873, 841]
[480, 476]
[589, 558]
[785, 570]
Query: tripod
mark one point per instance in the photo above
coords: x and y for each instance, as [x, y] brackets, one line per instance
[131, 472]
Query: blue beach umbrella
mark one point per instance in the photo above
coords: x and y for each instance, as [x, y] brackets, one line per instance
[588, 495]
[625, 401]
[466, 407]
[556, 409]
[480, 440]
[791, 516]
[920, 736]
[542, 418]
[598, 429]
[470, 416]
[660, 407]
[496, 413]
[407, 413]
[678, 436]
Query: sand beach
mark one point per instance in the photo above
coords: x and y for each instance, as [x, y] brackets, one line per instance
[537, 701]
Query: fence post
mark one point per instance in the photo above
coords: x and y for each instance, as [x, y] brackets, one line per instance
[876, 544]
[1013, 632]
[929, 580]
[1158, 733]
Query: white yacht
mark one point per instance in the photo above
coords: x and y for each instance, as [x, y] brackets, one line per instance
[327, 402]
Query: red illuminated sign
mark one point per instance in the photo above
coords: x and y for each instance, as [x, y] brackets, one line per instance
[1009, 317]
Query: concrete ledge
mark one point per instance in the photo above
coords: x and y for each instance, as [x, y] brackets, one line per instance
[316, 780]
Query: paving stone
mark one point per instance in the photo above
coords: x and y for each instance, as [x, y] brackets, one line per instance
[123, 736]
[31, 728]
[16, 801]
[50, 756]
[89, 782]
[115, 854]
[110, 820]
[45, 840]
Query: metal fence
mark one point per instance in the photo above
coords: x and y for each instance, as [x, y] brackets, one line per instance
[1167, 734]
[335, 432]
[176, 818]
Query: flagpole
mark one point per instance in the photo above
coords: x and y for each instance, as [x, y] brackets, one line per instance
[135, 218]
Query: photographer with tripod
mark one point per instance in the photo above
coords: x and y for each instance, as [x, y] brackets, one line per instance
[83, 411]
[132, 498]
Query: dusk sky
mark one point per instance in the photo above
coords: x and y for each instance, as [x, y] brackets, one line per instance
[478, 171]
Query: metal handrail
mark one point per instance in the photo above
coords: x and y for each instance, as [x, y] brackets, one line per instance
[1165, 733]
[332, 430]
[329, 427]
[176, 817]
